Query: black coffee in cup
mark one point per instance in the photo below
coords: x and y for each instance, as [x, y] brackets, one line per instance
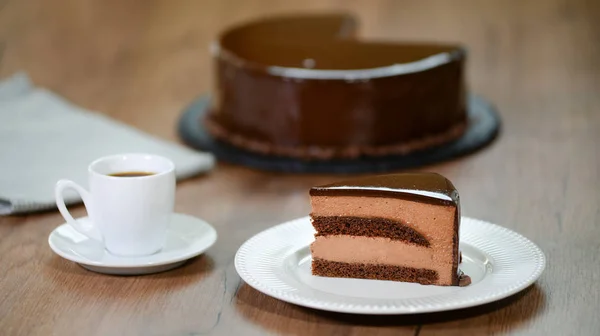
[131, 174]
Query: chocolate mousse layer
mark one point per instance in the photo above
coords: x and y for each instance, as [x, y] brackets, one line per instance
[305, 87]
[400, 220]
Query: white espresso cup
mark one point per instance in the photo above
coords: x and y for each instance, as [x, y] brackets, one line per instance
[129, 204]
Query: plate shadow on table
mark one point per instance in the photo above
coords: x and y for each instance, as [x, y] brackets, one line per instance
[64, 273]
[529, 302]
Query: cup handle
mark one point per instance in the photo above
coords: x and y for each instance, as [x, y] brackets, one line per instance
[88, 228]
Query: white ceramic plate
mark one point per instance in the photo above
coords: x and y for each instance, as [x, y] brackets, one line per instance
[499, 261]
[187, 237]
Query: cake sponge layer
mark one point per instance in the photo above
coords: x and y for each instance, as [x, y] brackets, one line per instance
[327, 268]
[367, 227]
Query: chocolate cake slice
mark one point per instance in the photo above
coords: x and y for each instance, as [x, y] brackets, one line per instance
[399, 227]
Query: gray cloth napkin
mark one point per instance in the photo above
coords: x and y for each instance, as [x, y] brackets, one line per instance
[44, 138]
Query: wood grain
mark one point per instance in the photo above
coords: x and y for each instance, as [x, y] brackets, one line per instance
[141, 62]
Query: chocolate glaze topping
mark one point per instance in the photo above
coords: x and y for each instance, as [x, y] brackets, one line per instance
[425, 186]
[463, 279]
[305, 87]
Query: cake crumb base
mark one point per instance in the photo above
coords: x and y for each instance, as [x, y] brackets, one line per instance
[320, 153]
[327, 268]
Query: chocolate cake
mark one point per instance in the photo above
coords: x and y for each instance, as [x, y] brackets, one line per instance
[398, 227]
[306, 87]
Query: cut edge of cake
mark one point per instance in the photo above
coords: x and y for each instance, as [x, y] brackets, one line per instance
[398, 227]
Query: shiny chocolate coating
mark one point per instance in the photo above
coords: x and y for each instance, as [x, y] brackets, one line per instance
[305, 87]
[417, 186]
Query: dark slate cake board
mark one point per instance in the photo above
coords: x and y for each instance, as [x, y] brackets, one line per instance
[484, 125]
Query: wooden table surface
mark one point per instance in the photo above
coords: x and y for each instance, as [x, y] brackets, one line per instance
[141, 62]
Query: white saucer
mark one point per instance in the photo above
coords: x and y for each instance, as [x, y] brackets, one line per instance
[499, 261]
[187, 237]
